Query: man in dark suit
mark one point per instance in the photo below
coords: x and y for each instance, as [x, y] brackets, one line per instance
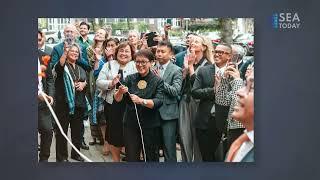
[169, 111]
[45, 121]
[41, 43]
[207, 133]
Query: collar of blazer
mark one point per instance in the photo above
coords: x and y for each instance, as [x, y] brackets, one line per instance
[168, 70]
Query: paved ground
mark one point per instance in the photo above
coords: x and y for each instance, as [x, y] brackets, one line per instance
[94, 153]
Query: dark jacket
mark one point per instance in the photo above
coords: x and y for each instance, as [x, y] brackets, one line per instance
[47, 82]
[154, 90]
[203, 90]
[172, 85]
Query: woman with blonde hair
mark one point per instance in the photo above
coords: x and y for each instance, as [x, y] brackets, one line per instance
[200, 55]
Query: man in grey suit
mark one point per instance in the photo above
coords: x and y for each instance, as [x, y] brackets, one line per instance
[169, 111]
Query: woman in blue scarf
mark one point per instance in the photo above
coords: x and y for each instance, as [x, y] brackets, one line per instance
[70, 98]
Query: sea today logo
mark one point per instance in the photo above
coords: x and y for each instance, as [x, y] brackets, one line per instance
[286, 21]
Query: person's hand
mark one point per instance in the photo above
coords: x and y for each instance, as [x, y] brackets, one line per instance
[123, 89]
[50, 99]
[136, 99]
[158, 38]
[43, 68]
[185, 62]
[232, 72]
[109, 52]
[191, 57]
[80, 86]
[97, 54]
[115, 80]
[248, 71]
[144, 43]
[40, 97]
[66, 48]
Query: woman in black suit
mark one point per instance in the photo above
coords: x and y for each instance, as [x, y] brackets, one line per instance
[70, 100]
[145, 90]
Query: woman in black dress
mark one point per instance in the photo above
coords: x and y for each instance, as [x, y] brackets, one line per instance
[145, 90]
[112, 72]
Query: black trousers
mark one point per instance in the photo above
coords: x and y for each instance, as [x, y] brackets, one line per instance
[75, 122]
[45, 129]
[133, 144]
[208, 142]
[232, 135]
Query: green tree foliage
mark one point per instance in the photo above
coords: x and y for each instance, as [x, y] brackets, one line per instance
[226, 25]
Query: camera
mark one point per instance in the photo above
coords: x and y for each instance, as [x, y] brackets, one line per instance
[150, 40]
[68, 40]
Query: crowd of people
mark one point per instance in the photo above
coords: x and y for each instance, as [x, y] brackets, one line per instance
[146, 100]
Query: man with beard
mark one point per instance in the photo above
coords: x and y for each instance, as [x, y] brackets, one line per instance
[70, 32]
[83, 39]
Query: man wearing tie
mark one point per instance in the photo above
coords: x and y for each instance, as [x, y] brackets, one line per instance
[169, 111]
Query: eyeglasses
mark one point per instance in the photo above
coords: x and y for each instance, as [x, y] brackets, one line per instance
[124, 51]
[221, 52]
[143, 63]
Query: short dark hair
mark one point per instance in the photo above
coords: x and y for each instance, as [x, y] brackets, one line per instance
[167, 44]
[147, 53]
[41, 33]
[116, 40]
[191, 33]
[84, 23]
[123, 45]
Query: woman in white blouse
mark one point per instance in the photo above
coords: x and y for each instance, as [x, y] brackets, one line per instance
[108, 81]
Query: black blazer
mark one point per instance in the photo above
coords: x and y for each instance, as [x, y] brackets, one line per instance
[203, 89]
[47, 82]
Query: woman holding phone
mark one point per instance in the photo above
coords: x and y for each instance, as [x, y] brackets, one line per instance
[71, 104]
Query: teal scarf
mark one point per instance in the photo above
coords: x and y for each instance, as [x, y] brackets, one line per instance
[69, 90]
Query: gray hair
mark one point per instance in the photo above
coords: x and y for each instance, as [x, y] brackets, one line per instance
[238, 50]
[134, 32]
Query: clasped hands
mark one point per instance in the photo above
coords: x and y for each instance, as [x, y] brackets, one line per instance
[80, 85]
[135, 99]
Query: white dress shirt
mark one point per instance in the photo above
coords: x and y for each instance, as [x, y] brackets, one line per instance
[40, 88]
[107, 74]
[245, 147]
[164, 66]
